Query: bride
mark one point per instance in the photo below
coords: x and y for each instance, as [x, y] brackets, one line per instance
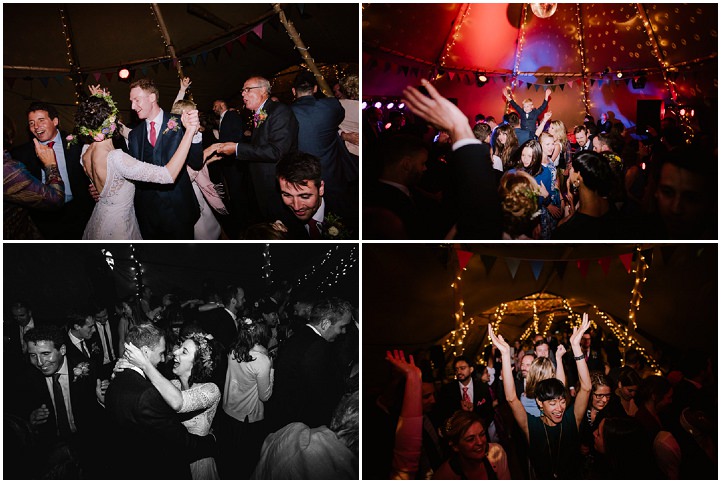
[112, 171]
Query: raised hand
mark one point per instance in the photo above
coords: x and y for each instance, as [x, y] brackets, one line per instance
[398, 361]
[547, 116]
[45, 153]
[438, 111]
[185, 83]
[548, 93]
[579, 331]
[499, 342]
[135, 356]
[560, 350]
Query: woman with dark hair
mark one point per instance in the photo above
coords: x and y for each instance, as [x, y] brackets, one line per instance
[248, 385]
[601, 394]
[627, 450]
[553, 437]
[473, 457]
[111, 170]
[531, 161]
[192, 392]
[505, 143]
[623, 404]
[129, 317]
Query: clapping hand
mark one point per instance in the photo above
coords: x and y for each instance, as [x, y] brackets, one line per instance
[398, 361]
[579, 331]
[45, 153]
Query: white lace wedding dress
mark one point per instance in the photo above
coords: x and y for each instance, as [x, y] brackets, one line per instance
[202, 396]
[114, 215]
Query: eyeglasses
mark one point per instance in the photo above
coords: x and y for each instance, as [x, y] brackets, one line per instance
[245, 90]
[601, 396]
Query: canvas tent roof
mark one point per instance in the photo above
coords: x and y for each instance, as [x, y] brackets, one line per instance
[405, 42]
[408, 301]
[220, 45]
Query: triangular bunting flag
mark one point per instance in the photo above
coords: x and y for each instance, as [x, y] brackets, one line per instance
[463, 258]
[667, 252]
[592, 81]
[626, 259]
[553, 88]
[536, 266]
[513, 264]
[193, 59]
[243, 39]
[109, 75]
[561, 86]
[528, 86]
[537, 86]
[583, 267]
[570, 85]
[387, 67]
[503, 78]
[229, 47]
[166, 64]
[204, 56]
[258, 30]
[404, 69]
[301, 8]
[605, 263]
[156, 67]
[560, 267]
[414, 71]
[627, 81]
[96, 75]
[451, 75]
[44, 80]
[488, 262]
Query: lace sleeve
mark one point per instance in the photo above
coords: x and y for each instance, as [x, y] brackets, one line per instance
[131, 168]
[200, 396]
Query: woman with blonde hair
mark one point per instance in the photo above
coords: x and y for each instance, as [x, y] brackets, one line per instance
[540, 370]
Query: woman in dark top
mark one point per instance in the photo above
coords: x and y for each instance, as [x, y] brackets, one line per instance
[628, 451]
[601, 394]
[553, 438]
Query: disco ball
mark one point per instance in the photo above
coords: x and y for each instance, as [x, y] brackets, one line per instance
[543, 10]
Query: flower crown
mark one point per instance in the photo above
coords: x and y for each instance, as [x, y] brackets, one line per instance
[106, 130]
[201, 340]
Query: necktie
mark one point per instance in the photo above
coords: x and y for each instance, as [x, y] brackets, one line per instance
[465, 395]
[61, 412]
[85, 349]
[313, 229]
[153, 134]
[108, 341]
[51, 144]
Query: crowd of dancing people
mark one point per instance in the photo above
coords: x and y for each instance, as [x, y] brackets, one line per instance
[267, 171]
[437, 176]
[555, 407]
[217, 387]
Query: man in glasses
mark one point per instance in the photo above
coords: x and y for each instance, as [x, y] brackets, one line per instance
[275, 134]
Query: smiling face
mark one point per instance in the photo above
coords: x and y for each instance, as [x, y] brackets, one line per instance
[581, 138]
[184, 356]
[41, 126]
[303, 200]
[21, 315]
[600, 397]
[473, 444]
[527, 106]
[502, 137]
[547, 145]
[527, 157]
[144, 103]
[553, 409]
[463, 371]
[331, 332]
[219, 108]
[45, 356]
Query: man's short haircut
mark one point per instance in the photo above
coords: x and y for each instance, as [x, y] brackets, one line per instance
[50, 333]
[148, 86]
[604, 139]
[480, 117]
[514, 119]
[229, 293]
[540, 342]
[79, 318]
[580, 128]
[145, 335]
[527, 100]
[43, 106]
[332, 308]
[304, 82]
[298, 168]
[490, 119]
[482, 131]
[262, 82]
[398, 146]
[462, 358]
[19, 304]
[225, 103]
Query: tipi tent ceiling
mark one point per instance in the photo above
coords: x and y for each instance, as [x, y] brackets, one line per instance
[408, 301]
[220, 45]
[483, 36]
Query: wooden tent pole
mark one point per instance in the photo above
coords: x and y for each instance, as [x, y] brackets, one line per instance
[295, 37]
[169, 43]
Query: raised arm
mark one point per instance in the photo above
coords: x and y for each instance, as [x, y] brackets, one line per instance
[438, 111]
[542, 123]
[184, 84]
[560, 372]
[584, 379]
[519, 413]
[171, 394]
[409, 432]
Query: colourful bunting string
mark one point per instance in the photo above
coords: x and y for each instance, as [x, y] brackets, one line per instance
[513, 264]
[583, 267]
[536, 266]
[605, 263]
[463, 258]
[488, 262]
[626, 259]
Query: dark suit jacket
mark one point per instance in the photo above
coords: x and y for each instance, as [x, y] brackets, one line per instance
[165, 211]
[145, 429]
[231, 129]
[387, 197]
[478, 205]
[308, 382]
[272, 139]
[449, 401]
[75, 356]
[68, 222]
[221, 325]
[523, 135]
[528, 121]
[318, 121]
[239, 198]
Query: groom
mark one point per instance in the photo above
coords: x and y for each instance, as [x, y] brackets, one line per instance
[164, 212]
[151, 441]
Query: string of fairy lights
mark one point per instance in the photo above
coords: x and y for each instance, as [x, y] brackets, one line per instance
[160, 30]
[341, 269]
[74, 68]
[267, 269]
[306, 276]
[521, 42]
[455, 340]
[137, 270]
[584, 62]
[454, 35]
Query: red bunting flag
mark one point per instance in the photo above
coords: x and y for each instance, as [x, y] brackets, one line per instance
[97, 76]
[583, 267]
[626, 259]
[605, 263]
[463, 258]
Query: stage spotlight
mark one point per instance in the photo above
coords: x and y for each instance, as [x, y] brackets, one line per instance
[619, 74]
[481, 79]
[640, 83]
[364, 104]
[390, 105]
[401, 105]
[378, 104]
[549, 80]
[124, 74]
[682, 112]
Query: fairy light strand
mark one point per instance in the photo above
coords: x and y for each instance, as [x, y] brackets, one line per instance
[451, 41]
[584, 64]
[267, 270]
[74, 67]
[639, 271]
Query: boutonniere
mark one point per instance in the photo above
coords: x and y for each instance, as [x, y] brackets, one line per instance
[260, 117]
[81, 370]
[334, 228]
[172, 125]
